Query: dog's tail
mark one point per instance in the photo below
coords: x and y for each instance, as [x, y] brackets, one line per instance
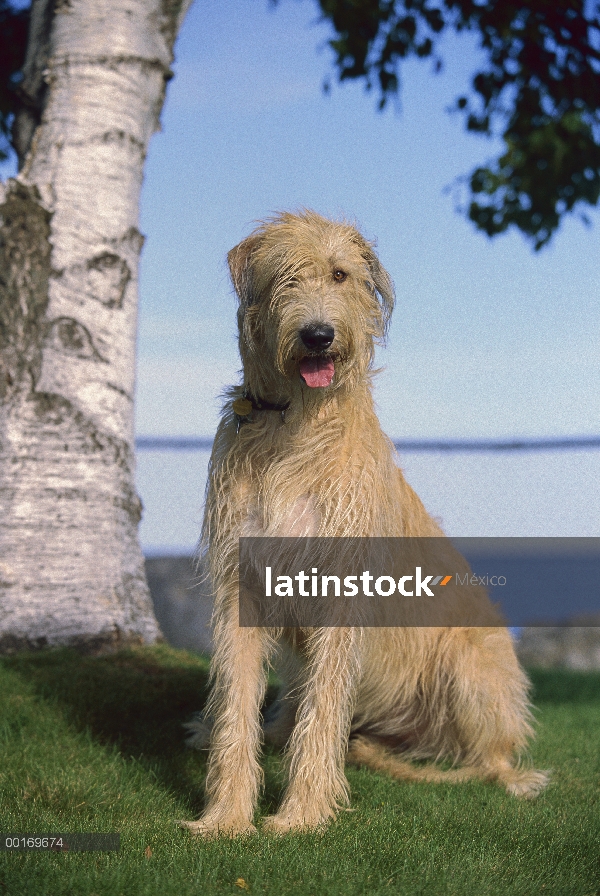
[369, 752]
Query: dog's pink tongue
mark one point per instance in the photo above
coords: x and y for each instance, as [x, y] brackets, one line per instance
[317, 372]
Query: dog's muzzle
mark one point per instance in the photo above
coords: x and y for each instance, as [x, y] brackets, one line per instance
[317, 337]
[317, 370]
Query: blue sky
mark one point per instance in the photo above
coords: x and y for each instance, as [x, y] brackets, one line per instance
[488, 338]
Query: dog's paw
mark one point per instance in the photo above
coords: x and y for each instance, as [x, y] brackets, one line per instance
[283, 823]
[209, 827]
[199, 733]
[527, 784]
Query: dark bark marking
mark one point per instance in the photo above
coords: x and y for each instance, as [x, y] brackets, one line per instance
[133, 238]
[56, 411]
[24, 273]
[132, 505]
[119, 391]
[119, 136]
[106, 276]
[170, 10]
[72, 338]
[112, 62]
[71, 428]
[107, 279]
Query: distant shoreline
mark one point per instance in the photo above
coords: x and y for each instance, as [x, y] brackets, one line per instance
[557, 443]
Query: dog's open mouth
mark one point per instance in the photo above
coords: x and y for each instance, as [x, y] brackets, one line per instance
[317, 371]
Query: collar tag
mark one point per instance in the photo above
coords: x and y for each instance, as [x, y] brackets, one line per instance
[242, 407]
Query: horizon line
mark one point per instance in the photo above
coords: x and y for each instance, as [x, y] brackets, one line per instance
[513, 443]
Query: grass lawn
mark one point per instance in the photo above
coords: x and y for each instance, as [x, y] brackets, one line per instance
[96, 744]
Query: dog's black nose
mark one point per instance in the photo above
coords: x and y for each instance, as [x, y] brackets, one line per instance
[317, 337]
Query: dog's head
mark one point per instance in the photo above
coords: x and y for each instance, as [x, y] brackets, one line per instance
[314, 300]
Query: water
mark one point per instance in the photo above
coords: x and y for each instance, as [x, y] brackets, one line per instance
[541, 493]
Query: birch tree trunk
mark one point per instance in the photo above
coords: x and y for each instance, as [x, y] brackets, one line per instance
[71, 568]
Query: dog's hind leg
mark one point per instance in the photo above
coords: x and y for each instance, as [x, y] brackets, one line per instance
[473, 710]
[239, 681]
[317, 747]
[490, 709]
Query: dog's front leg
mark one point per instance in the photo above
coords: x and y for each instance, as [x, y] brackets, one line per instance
[239, 680]
[317, 747]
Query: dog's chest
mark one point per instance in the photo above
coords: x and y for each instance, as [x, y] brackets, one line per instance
[297, 519]
[318, 485]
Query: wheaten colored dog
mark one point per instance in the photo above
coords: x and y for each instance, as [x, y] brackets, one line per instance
[299, 451]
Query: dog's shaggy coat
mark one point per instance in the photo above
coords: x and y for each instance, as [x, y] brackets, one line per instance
[313, 301]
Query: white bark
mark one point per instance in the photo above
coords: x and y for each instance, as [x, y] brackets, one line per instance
[71, 569]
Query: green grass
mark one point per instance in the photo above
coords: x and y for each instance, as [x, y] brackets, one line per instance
[96, 744]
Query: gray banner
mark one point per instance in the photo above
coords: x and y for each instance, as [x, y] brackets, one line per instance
[321, 582]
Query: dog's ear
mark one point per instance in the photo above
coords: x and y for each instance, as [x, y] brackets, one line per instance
[385, 289]
[381, 282]
[240, 267]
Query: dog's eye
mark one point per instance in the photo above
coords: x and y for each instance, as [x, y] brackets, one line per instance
[339, 276]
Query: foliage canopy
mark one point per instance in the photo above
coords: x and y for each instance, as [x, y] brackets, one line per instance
[539, 90]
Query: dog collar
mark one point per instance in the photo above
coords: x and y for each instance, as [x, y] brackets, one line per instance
[243, 407]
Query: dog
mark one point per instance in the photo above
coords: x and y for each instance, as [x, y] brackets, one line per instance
[300, 452]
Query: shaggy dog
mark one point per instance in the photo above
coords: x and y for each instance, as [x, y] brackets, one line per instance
[299, 452]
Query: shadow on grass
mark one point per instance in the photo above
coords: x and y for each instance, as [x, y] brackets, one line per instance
[136, 701]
